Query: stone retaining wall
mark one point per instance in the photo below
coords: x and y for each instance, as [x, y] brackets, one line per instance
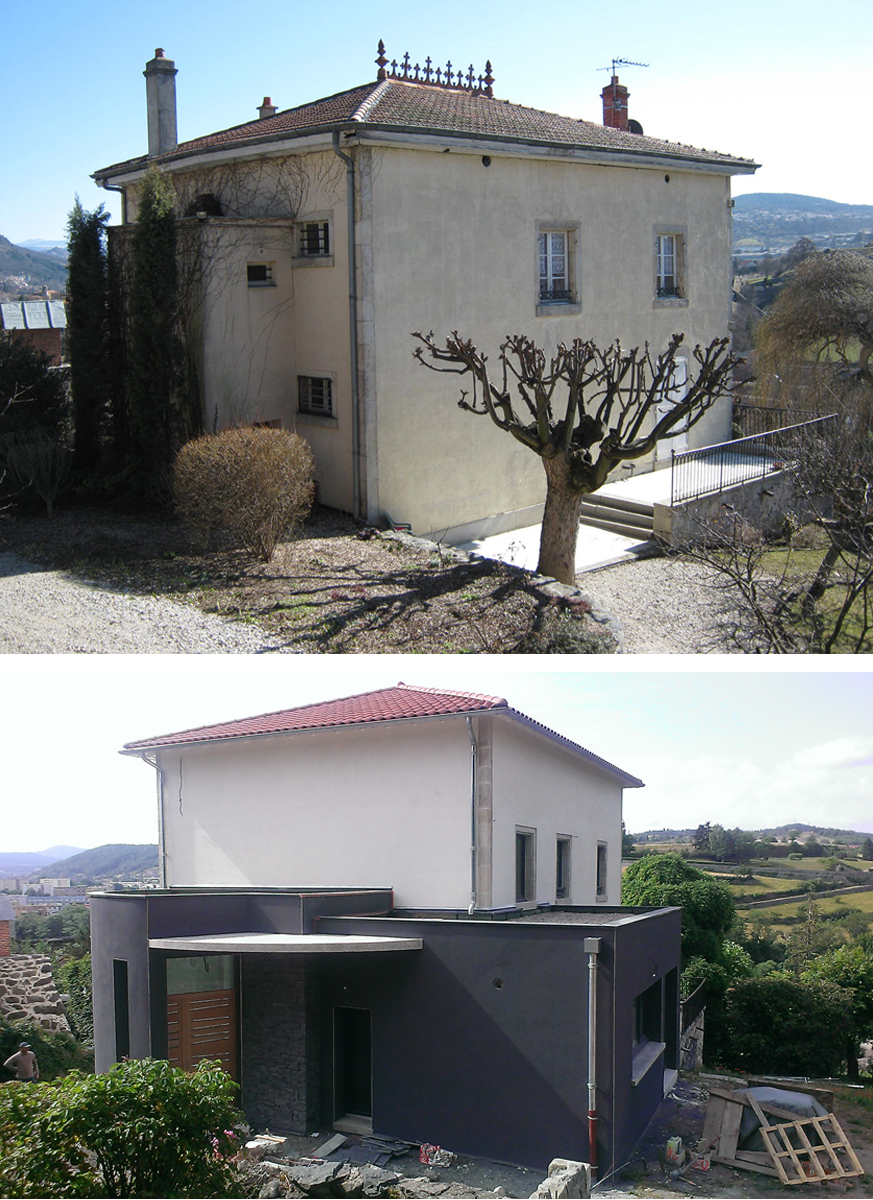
[28, 992]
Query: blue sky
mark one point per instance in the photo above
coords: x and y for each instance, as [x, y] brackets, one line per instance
[785, 82]
[749, 747]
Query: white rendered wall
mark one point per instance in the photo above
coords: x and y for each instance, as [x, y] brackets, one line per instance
[385, 806]
[541, 786]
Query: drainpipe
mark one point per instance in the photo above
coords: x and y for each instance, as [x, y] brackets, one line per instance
[111, 187]
[353, 321]
[474, 750]
[162, 860]
[592, 946]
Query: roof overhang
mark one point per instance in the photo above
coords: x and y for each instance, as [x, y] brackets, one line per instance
[283, 943]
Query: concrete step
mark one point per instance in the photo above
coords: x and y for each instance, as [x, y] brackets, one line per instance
[629, 518]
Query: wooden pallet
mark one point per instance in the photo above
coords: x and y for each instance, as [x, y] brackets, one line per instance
[798, 1150]
[808, 1149]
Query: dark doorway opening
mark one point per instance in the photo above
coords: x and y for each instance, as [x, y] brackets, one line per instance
[352, 1066]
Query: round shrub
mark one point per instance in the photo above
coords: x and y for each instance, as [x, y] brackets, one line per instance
[254, 483]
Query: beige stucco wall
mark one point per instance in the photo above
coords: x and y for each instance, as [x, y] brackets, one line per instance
[539, 785]
[454, 246]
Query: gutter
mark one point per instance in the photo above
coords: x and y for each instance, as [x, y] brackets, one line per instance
[353, 321]
[111, 187]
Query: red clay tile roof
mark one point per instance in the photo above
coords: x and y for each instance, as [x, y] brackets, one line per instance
[402, 702]
[406, 106]
[389, 704]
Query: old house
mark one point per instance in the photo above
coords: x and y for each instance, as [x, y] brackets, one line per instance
[376, 905]
[315, 240]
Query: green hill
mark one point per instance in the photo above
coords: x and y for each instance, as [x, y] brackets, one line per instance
[104, 863]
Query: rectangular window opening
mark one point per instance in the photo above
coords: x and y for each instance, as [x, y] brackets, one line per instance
[121, 996]
[525, 883]
[601, 870]
[669, 248]
[313, 239]
[315, 395]
[259, 274]
[554, 254]
[562, 869]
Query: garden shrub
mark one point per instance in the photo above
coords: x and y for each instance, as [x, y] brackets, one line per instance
[255, 483]
[142, 1129]
[784, 1026]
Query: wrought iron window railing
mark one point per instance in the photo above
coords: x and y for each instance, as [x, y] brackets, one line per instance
[556, 295]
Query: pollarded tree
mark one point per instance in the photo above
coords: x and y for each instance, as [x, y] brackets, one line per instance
[584, 411]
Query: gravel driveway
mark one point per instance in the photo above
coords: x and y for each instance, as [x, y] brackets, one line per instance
[46, 612]
[664, 607]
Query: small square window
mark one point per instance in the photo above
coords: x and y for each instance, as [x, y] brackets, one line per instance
[313, 239]
[315, 395]
[525, 866]
[259, 274]
[562, 869]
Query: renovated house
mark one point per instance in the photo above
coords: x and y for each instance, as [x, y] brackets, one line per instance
[373, 906]
[315, 240]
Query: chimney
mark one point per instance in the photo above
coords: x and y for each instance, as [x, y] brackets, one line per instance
[614, 97]
[267, 109]
[160, 75]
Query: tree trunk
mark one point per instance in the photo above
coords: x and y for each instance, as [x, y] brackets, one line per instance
[560, 522]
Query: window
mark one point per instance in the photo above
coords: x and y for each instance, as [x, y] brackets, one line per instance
[601, 870]
[525, 883]
[313, 239]
[315, 395]
[554, 266]
[259, 274]
[562, 869]
[121, 1000]
[648, 1031]
[670, 267]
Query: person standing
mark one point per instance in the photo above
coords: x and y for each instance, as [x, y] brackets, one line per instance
[24, 1064]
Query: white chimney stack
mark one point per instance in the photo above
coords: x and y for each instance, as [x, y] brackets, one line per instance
[160, 76]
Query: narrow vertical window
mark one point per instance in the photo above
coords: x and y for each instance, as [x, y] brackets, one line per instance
[601, 870]
[313, 239]
[122, 1009]
[562, 869]
[524, 866]
[554, 275]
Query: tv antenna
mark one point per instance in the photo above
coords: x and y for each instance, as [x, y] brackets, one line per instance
[621, 62]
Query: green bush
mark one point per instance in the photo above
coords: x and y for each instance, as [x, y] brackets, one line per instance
[786, 1026]
[707, 905]
[255, 483]
[142, 1129]
[74, 979]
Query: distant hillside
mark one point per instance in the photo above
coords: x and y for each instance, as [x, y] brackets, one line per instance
[36, 268]
[785, 832]
[26, 862]
[778, 219]
[104, 863]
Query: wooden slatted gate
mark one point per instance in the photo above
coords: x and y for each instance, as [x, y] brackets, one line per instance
[202, 1025]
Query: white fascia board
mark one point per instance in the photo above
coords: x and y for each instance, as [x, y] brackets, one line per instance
[284, 943]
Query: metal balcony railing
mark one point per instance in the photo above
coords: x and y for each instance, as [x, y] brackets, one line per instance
[713, 468]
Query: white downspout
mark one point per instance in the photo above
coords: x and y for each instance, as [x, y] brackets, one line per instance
[474, 750]
[162, 853]
[357, 504]
[592, 946]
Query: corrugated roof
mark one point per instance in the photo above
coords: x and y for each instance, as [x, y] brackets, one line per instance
[33, 314]
[403, 702]
[404, 105]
